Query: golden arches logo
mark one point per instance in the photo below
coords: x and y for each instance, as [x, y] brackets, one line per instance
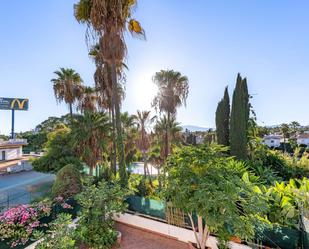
[20, 104]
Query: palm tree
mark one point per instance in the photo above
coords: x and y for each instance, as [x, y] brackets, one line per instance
[129, 131]
[285, 129]
[103, 84]
[173, 90]
[90, 134]
[88, 100]
[143, 121]
[67, 87]
[295, 127]
[109, 20]
[164, 128]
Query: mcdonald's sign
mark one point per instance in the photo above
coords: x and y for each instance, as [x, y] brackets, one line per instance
[14, 104]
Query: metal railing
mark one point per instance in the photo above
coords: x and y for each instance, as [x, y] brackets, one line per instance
[9, 200]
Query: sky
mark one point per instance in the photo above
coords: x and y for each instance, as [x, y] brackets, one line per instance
[208, 41]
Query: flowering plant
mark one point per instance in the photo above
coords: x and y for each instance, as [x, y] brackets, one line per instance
[18, 224]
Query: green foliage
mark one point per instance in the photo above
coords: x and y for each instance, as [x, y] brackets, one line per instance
[204, 181]
[223, 119]
[18, 224]
[53, 123]
[282, 166]
[35, 140]
[239, 119]
[99, 205]
[90, 136]
[68, 182]
[59, 152]
[142, 186]
[287, 200]
[60, 235]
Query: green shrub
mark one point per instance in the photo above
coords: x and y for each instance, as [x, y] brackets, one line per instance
[59, 152]
[145, 189]
[68, 182]
[99, 205]
[218, 189]
[141, 186]
[60, 235]
[287, 200]
[283, 166]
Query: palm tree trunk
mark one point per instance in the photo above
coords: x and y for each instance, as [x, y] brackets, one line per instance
[167, 149]
[145, 164]
[121, 157]
[71, 111]
[91, 171]
[114, 149]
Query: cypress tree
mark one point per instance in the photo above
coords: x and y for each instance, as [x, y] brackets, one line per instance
[223, 119]
[239, 119]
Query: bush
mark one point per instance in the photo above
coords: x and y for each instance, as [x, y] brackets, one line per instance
[68, 182]
[60, 235]
[18, 224]
[59, 152]
[286, 201]
[141, 186]
[283, 165]
[145, 189]
[218, 189]
[99, 204]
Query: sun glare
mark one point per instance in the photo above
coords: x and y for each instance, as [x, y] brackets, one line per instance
[144, 90]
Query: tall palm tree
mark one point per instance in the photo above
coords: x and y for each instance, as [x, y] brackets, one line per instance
[143, 121]
[88, 100]
[171, 128]
[109, 20]
[295, 127]
[103, 84]
[90, 134]
[67, 87]
[164, 128]
[173, 90]
[285, 129]
[129, 131]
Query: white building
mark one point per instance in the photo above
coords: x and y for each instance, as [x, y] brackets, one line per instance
[272, 141]
[303, 139]
[12, 149]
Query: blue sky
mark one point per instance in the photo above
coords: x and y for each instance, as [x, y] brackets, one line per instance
[209, 41]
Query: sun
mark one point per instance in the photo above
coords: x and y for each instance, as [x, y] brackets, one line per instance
[144, 90]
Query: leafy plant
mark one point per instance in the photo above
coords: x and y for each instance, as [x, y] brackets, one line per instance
[18, 224]
[59, 152]
[218, 189]
[68, 182]
[60, 235]
[287, 200]
[99, 204]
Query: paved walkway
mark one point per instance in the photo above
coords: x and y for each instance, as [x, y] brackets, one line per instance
[133, 238]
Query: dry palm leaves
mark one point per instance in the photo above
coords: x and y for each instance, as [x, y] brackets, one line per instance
[112, 47]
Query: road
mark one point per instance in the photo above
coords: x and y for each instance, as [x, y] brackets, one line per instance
[23, 179]
[23, 187]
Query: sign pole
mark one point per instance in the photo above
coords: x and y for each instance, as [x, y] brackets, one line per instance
[13, 123]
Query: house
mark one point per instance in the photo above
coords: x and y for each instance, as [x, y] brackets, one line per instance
[303, 139]
[12, 149]
[199, 139]
[273, 140]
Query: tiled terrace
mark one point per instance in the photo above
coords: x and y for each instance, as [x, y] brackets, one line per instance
[133, 238]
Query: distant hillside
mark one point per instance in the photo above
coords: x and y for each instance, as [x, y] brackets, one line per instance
[194, 128]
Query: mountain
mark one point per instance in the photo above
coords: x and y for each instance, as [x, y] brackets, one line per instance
[194, 128]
